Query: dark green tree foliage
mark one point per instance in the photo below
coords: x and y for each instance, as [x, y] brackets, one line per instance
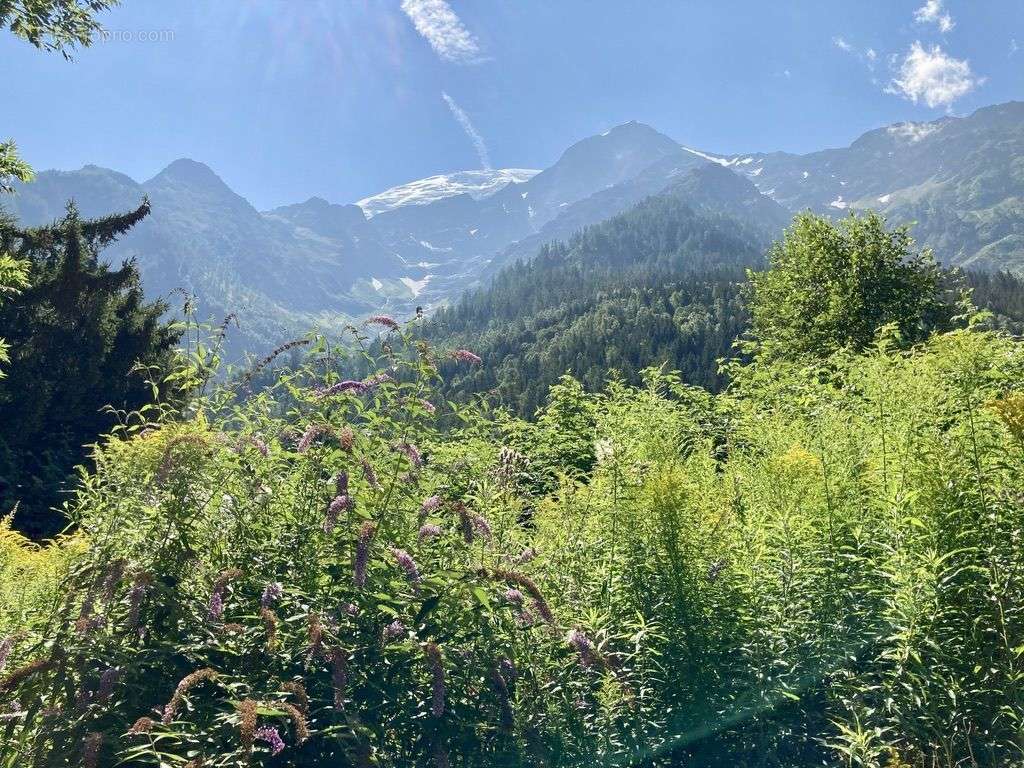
[76, 334]
[833, 285]
[658, 285]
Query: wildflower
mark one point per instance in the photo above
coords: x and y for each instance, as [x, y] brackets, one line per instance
[436, 665]
[260, 445]
[384, 321]
[429, 531]
[315, 632]
[370, 475]
[91, 745]
[465, 522]
[377, 379]
[187, 682]
[715, 569]
[362, 556]
[394, 630]
[407, 564]
[271, 736]
[590, 657]
[271, 594]
[465, 356]
[341, 483]
[514, 596]
[23, 672]
[298, 690]
[233, 628]
[526, 556]
[512, 577]
[247, 724]
[264, 362]
[114, 575]
[508, 671]
[604, 451]
[429, 506]
[481, 526]
[108, 680]
[298, 721]
[313, 431]
[135, 597]
[339, 675]
[216, 607]
[411, 452]
[338, 505]
[270, 627]
[428, 406]
[346, 438]
[356, 387]
[142, 725]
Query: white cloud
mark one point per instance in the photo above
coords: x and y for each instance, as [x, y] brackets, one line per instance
[1013, 46]
[931, 76]
[931, 13]
[842, 45]
[471, 132]
[913, 132]
[871, 54]
[441, 27]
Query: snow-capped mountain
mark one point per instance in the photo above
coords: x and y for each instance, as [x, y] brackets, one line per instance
[476, 184]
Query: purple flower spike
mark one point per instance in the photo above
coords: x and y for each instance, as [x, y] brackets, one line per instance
[272, 737]
[436, 664]
[216, 607]
[429, 531]
[394, 630]
[370, 475]
[411, 452]
[362, 557]
[465, 356]
[271, 594]
[337, 506]
[383, 321]
[356, 387]
[429, 506]
[407, 564]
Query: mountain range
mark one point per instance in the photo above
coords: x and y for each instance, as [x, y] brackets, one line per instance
[958, 181]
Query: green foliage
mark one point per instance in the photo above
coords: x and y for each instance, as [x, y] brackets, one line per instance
[78, 334]
[12, 167]
[832, 286]
[54, 25]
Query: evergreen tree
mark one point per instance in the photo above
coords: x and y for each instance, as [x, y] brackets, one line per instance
[77, 335]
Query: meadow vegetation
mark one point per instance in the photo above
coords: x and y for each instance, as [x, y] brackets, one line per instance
[821, 565]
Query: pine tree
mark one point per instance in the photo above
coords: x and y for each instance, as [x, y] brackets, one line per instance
[76, 336]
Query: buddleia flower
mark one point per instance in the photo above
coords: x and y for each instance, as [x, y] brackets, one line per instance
[313, 431]
[271, 594]
[384, 321]
[298, 690]
[247, 724]
[108, 680]
[184, 685]
[315, 633]
[269, 627]
[215, 609]
[429, 531]
[25, 671]
[521, 580]
[370, 475]
[271, 737]
[407, 564]
[142, 725]
[590, 657]
[339, 676]
[298, 719]
[504, 698]
[514, 596]
[347, 439]
[341, 483]
[362, 556]
[342, 387]
[465, 356]
[411, 452]
[91, 745]
[377, 379]
[394, 630]
[428, 406]
[436, 665]
[429, 506]
[338, 505]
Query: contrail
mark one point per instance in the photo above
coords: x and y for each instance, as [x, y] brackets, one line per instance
[471, 132]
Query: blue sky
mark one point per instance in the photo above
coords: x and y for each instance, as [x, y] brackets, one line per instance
[342, 98]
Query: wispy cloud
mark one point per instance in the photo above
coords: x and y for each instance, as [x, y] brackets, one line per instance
[443, 29]
[471, 132]
[842, 45]
[932, 13]
[932, 76]
[1013, 46]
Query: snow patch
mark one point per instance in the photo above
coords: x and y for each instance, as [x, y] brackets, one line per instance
[434, 248]
[884, 199]
[720, 160]
[427, 264]
[756, 172]
[476, 184]
[415, 286]
[377, 284]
